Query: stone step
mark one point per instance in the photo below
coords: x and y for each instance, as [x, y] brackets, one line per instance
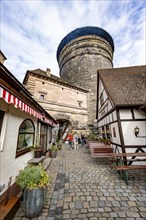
[46, 162]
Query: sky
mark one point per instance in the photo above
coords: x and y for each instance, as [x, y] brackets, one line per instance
[31, 30]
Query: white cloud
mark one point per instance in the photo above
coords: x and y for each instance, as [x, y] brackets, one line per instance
[32, 30]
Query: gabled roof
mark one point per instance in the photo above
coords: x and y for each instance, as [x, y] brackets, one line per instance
[126, 85]
[42, 73]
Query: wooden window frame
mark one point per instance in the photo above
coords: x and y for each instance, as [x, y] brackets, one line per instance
[27, 149]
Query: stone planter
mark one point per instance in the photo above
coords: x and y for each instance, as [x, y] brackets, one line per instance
[33, 202]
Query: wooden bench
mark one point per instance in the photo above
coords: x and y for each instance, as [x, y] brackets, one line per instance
[130, 167]
[121, 160]
[100, 150]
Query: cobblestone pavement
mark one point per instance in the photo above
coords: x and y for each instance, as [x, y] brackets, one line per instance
[88, 189]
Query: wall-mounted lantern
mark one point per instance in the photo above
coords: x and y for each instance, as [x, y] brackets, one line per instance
[136, 131]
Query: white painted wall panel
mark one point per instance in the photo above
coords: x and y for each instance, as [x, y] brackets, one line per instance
[114, 115]
[125, 114]
[111, 118]
[139, 114]
[128, 132]
[109, 105]
[104, 95]
[107, 118]
[117, 138]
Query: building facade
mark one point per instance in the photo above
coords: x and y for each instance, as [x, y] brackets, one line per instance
[22, 121]
[122, 108]
[66, 103]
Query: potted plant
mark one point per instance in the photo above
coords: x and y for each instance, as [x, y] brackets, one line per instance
[33, 181]
[53, 150]
[37, 149]
[59, 144]
[106, 141]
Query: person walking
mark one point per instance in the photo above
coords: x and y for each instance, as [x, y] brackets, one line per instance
[75, 141]
[82, 140]
[70, 139]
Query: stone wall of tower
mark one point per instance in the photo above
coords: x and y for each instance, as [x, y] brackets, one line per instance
[78, 63]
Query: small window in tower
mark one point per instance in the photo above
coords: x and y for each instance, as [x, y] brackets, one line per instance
[42, 97]
[80, 103]
[43, 83]
[62, 88]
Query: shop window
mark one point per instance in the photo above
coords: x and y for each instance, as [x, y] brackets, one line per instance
[25, 137]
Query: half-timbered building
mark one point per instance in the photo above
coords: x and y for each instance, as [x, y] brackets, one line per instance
[121, 107]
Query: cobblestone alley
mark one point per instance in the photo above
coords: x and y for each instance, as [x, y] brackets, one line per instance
[87, 188]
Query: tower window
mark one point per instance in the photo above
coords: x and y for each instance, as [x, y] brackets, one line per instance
[42, 97]
[43, 83]
[80, 103]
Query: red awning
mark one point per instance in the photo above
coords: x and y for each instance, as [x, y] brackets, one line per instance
[12, 99]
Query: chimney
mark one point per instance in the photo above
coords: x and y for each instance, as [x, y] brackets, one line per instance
[2, 57]
[48, 72]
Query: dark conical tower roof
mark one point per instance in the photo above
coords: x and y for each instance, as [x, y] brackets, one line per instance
[84, 31]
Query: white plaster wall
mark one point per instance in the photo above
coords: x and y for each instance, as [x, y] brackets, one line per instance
[100, 91]
[110, 116]
[107, 119]
[138, 114]
[10, 165]
[100, 86]
[109, 105]
[104, 95]
[114, 115]
[125, 114]
[116, 139]
[128, 132]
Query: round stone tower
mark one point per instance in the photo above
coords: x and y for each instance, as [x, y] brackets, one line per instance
[79, 55]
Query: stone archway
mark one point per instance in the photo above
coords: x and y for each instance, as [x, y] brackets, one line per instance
[65, 122]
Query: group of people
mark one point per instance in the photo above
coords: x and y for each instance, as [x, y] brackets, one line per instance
[75, 140]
